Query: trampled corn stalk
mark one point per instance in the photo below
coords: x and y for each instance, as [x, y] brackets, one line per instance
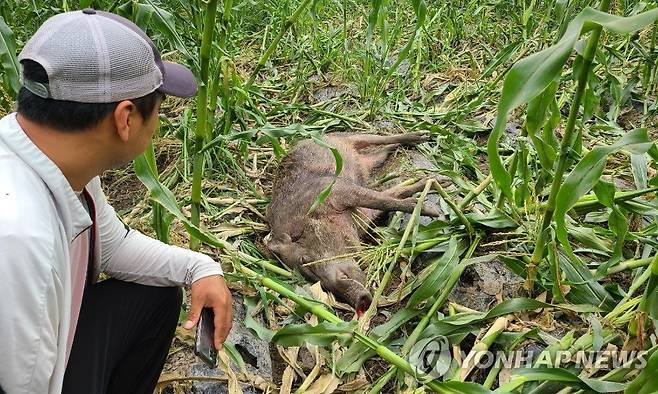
[201, 131]
[527, 82]
[568, 140]
[384, 352]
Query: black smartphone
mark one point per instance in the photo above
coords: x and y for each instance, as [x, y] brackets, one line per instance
[204, 346]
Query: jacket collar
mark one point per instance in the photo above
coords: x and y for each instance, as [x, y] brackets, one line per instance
[69, 208]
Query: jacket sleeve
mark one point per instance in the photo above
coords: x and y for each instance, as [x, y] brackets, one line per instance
[129, 255]
[29, 322]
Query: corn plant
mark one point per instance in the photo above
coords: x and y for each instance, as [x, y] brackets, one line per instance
[543, 201]
[530, 78]
[8, 59]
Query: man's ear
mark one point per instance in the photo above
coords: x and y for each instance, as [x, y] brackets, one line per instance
[123, 119]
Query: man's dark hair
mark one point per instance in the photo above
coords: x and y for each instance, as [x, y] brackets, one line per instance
[70, 115]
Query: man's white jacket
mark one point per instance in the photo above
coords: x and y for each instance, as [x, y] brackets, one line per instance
[40, 215]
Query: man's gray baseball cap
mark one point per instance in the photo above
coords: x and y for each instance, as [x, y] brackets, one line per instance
[98, 57]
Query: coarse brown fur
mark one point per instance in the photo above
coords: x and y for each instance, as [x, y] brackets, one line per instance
[314, 243]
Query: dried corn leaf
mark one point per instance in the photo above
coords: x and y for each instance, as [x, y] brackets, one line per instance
[326, 384]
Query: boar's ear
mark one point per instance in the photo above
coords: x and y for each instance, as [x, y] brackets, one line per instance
[279, 242]
[341, 273]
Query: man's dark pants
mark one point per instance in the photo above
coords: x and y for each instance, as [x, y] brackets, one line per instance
[122, 339]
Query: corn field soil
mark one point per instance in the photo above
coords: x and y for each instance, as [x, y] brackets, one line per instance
[542, 274]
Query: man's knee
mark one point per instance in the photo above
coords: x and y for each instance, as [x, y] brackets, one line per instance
[172, 297]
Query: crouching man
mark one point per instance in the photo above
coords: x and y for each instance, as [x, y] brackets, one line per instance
[93, 83]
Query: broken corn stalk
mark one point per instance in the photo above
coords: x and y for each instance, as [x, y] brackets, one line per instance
[480, 348]
[316, 309]
[387, 276]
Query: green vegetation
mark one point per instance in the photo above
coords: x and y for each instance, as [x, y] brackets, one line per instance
[566, 200]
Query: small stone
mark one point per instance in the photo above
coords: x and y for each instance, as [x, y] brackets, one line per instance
[255, 353]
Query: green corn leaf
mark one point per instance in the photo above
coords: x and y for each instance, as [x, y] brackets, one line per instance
[556, 272]
[548, 133]
[617, 222]
[437, 279]
[235, 355]
[522, 192]
[496, 219]
[586, 175]
[560, 14]
[587, 236]
[647, 381]
[592, 99]
[357, 354]
[504, 55]
[8, 60]
[535, 118]
[650, 299]
[597, 334]
[420, 9]
[640, 207]
[339, 169]
[605, 193]
[639, 168]
[584, 287]
[143, 14]
[530, 76]
[373, 17]
[164, 22]
[508, 307]
[294, 129]
[261, 331]
[521, 376]
[314, 9]
[162, 195]
[161, 220]
[454, 387]
[323, 334]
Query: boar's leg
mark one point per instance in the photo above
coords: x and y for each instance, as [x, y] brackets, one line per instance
[376, 149]
[398, 191]
[404, 191]
[350, 195]
[362, 141]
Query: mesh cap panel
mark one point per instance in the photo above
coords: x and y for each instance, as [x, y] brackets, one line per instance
[94, 59]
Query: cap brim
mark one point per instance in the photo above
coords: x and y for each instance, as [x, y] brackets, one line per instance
[178, 80]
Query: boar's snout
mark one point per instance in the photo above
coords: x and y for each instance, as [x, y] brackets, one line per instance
[347, 280]
[363, 303]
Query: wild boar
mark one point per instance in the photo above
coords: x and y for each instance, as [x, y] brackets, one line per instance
[314, 243]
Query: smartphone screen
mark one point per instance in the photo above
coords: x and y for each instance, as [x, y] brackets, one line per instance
[204, 347]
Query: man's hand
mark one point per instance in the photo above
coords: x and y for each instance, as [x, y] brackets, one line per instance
[212, 292]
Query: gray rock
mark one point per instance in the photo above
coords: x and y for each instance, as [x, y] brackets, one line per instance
[481, 282]
[403, 67]
[512, 132]
[328, 92]
[255, 353]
